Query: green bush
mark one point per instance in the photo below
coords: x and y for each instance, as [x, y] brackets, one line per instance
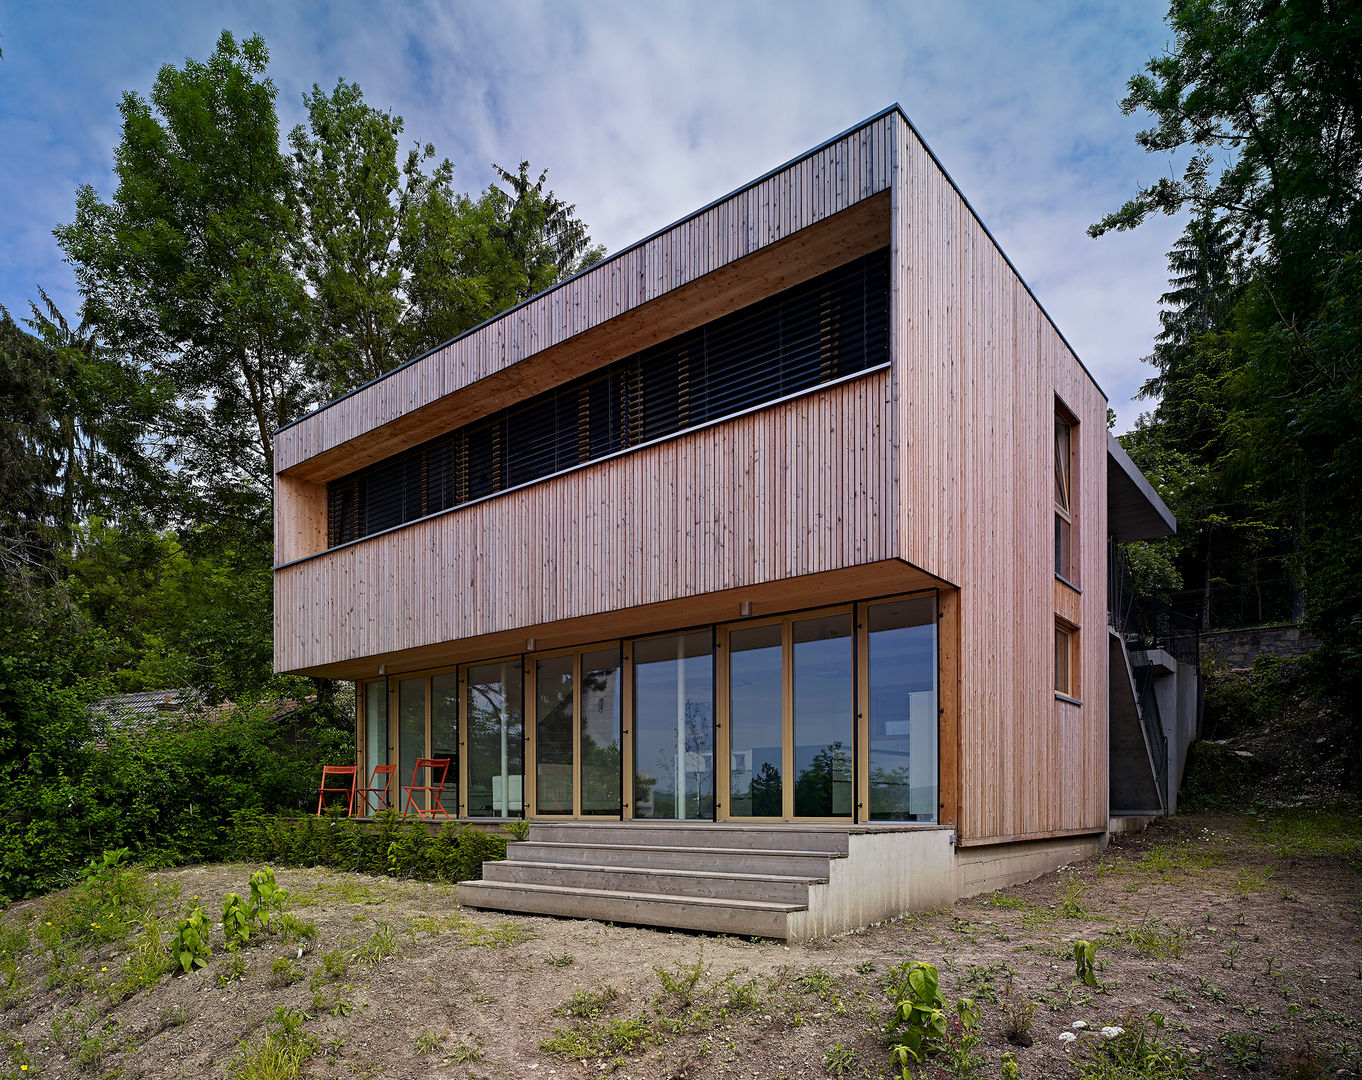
[168, 795]
[385, 844]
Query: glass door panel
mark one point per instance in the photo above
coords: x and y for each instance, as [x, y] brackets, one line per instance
[902, 710]
[444, 732]
[674, 727]
[756, 722]
[496, 739]
[600, 755]
[411, 734]
[824, 715]
[375, 731]
[553, 735]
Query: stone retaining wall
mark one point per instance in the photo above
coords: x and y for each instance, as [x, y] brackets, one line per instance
[1237, 649]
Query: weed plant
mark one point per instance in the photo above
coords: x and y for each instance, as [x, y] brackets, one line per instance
[1135, 1054]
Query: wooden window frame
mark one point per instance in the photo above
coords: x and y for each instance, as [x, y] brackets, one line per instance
[1065, 505]
[532, 659]
[1068, 633]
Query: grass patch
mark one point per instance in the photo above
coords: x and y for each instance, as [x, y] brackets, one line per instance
[1166, 858]
[501, 936]
[278, 1054]
[1252, 879]
[587, 1004]
[147, 962]
[379, 945]
[1151, 939]
[1312, 833]
[599, 1039]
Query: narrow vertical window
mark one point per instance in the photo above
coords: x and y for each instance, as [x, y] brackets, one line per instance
[1064, 661]
[1064, 509]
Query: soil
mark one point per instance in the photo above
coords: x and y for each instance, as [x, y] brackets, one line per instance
[1243, 934]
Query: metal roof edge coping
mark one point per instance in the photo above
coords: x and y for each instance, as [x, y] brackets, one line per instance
[894, 108]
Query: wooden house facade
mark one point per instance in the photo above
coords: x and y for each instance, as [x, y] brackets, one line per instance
[792, 514]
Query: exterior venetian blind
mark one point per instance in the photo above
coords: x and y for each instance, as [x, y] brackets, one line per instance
[824, 329]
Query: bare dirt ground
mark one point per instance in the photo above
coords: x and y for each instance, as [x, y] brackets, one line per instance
[1243, 934]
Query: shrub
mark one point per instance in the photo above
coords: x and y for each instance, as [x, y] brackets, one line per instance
[385, 844]
[167, 796]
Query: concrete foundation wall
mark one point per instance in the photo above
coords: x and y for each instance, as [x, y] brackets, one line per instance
[984, 869]
[886, 875]
[883, 876]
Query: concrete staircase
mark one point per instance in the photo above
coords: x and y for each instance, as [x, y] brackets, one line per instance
[746, 880]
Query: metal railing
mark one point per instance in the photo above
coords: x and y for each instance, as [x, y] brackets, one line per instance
[1145, 622]
[1152, 722]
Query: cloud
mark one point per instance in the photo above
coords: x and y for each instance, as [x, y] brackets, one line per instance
[644, 112]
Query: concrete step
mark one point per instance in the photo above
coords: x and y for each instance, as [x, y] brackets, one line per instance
[758, 861]
[743, 918]
[783, 837]
[639, 879]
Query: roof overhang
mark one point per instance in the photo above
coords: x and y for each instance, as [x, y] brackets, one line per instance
[1134, 509]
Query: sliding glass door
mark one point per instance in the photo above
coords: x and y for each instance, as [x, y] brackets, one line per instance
[756, 725]
[902, 709]
[674, 727]
[790, 717]
[823, 715]
[375, 733]
[577, 733]
[444, 732]
[599, 742]
[496, 739]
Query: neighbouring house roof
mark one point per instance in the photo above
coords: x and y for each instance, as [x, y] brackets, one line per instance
[1134, 509]
[124, 712]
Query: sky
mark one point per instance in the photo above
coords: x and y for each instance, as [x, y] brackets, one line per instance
[644, 111]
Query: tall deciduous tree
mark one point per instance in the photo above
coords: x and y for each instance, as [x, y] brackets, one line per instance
[187, 268]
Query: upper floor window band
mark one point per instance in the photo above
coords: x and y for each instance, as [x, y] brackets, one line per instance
[821, 330]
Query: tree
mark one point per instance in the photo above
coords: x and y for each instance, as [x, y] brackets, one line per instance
[469, 260]
[1261, 360]
[358, 199]
[187, 269]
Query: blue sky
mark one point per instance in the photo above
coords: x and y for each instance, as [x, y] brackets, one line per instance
[644, 111]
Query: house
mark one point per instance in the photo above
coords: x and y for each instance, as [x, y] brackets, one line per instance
[763, 564]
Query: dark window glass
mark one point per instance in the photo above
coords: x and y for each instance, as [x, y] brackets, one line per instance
[484, 466]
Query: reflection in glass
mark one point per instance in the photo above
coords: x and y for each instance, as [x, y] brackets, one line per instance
[444, 732]
[674, 727]
[553, 735]
[755, 722]
[375, 731]
[903, 710]
[411, 734]
[824, 707]
[600, 746]
[496, 740]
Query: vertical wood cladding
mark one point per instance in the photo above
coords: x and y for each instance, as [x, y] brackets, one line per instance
[978, 369]
[783, 492]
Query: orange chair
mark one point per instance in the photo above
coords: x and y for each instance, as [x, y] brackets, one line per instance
[373, 791]
[338, 772]
[438, 768]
